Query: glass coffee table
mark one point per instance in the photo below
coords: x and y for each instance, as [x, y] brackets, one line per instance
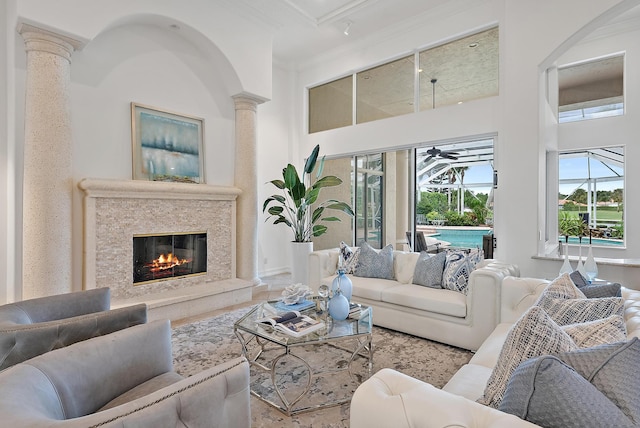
[318, 370]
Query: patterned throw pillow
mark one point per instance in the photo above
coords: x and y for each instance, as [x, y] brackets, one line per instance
[458, 267]
[572, 311]
[588, 387]
[428, 271]
[534, 334]
[593, 333]
[349, 258]
[561, 288]
[375, 264]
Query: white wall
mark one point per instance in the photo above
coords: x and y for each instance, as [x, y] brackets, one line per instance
[529, 33]
[275, 142]
[133, 55]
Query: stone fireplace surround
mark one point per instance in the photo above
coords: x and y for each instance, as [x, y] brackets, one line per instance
[115, 210]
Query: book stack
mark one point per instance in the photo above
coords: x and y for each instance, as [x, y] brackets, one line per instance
[354, 310]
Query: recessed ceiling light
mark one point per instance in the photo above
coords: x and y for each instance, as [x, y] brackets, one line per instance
[474, 45]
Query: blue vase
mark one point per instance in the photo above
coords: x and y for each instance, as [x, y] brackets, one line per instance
[339, 306]
[343, 283]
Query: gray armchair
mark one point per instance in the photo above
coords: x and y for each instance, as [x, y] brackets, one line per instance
[35, 326]
[123, 379]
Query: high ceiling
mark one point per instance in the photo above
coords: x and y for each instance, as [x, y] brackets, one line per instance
[304, 29]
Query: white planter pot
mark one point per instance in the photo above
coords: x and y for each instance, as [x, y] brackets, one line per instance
[300, 262]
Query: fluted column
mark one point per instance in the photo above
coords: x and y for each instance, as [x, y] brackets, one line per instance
[47, 191]
[246, 178]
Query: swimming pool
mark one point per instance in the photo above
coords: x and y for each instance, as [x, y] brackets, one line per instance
[462, 237]
[573, 240]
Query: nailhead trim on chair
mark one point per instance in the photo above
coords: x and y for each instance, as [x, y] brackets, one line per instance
[168, 396]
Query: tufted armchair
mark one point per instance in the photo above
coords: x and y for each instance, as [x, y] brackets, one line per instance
[32, 327]
[124, 379]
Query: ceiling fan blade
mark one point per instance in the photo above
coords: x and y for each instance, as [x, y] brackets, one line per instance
[448, 156]
[428, 159]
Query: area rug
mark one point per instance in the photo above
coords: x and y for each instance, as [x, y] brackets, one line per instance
[203, 344]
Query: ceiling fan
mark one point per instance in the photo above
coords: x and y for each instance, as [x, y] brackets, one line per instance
[433, 153]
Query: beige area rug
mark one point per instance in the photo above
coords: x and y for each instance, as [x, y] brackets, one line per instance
[205, 343]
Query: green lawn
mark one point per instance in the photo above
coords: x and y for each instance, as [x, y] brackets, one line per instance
[602, 215]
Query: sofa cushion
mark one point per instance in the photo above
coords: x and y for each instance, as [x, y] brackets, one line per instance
[349, 257]
[571, 311]
[608, 330]
[588, 387]
[375, 264]
[404, 264]
[144, 389]
[469, 381]
[458, 266]
[534, 334]
[438, 301]
[367, 288]
[429, 268]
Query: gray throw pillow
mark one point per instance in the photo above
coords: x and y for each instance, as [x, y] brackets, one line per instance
[428, 271]
[589, 387]
[549, 393]
[577, 278]
[375, 264]
[611, 289]
[608, 289]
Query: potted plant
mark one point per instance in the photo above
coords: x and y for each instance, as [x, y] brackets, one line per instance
[298, 207]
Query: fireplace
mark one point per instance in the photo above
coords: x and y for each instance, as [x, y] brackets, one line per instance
[168, 256]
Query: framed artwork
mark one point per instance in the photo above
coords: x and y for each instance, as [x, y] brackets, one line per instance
[167, 146]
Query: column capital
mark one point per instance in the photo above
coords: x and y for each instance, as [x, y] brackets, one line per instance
[244, 101]
[38, 39]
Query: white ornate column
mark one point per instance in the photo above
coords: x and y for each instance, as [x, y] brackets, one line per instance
[47, 191]
[246, 178]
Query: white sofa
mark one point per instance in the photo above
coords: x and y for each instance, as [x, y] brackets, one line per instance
[390, 398]
[442, 315]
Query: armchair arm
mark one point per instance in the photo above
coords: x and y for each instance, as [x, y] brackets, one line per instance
[217, 397]
[390, 398]
[21, 342]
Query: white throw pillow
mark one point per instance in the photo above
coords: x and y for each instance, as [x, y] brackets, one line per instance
[572, 311]
[593, 333]
[561, 288]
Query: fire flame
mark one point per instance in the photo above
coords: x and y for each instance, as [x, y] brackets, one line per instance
[166, 262]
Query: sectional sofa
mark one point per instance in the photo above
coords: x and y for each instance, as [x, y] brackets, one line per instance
[451, 317]
[390, 398]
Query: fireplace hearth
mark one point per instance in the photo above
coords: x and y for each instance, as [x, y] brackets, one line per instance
[168, 256]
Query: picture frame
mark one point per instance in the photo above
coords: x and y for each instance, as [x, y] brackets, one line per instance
[167, 146]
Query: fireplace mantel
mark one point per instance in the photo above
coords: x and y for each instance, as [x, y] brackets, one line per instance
[116, 210]
[139, 189]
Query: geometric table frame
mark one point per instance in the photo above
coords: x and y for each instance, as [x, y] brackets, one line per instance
[264, 347]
